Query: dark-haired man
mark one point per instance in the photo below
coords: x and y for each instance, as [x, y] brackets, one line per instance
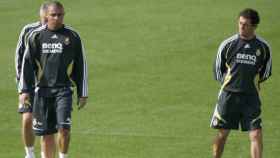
[243, 61]
[56, 56]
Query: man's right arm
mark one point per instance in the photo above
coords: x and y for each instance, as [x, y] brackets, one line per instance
[24, 99]
[219, 66]
[20, 51]
[27, 71]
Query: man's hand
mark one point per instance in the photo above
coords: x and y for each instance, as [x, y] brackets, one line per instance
[24, 99]
[82, 101]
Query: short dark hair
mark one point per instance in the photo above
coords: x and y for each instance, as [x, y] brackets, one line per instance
[251, 14]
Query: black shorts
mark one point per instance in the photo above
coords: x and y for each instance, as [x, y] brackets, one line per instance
[24, 108]
[52, 110]
[233, 109]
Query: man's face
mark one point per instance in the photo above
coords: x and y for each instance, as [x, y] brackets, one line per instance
[246, 29]
[55, 17]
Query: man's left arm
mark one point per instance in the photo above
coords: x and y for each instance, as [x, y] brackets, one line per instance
[266, 69]
[80, 74]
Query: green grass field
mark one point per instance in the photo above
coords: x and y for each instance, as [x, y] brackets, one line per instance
[151, 88]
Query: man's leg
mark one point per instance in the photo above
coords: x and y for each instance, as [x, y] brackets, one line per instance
[219, 142]
[48, 146]
[63, 114]
[27, 134]
[256, 143]
[63, 142]
[252, 122]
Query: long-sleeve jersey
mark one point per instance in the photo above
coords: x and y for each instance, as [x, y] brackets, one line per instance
[57, 59]
[241, 64]
[21, 45]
